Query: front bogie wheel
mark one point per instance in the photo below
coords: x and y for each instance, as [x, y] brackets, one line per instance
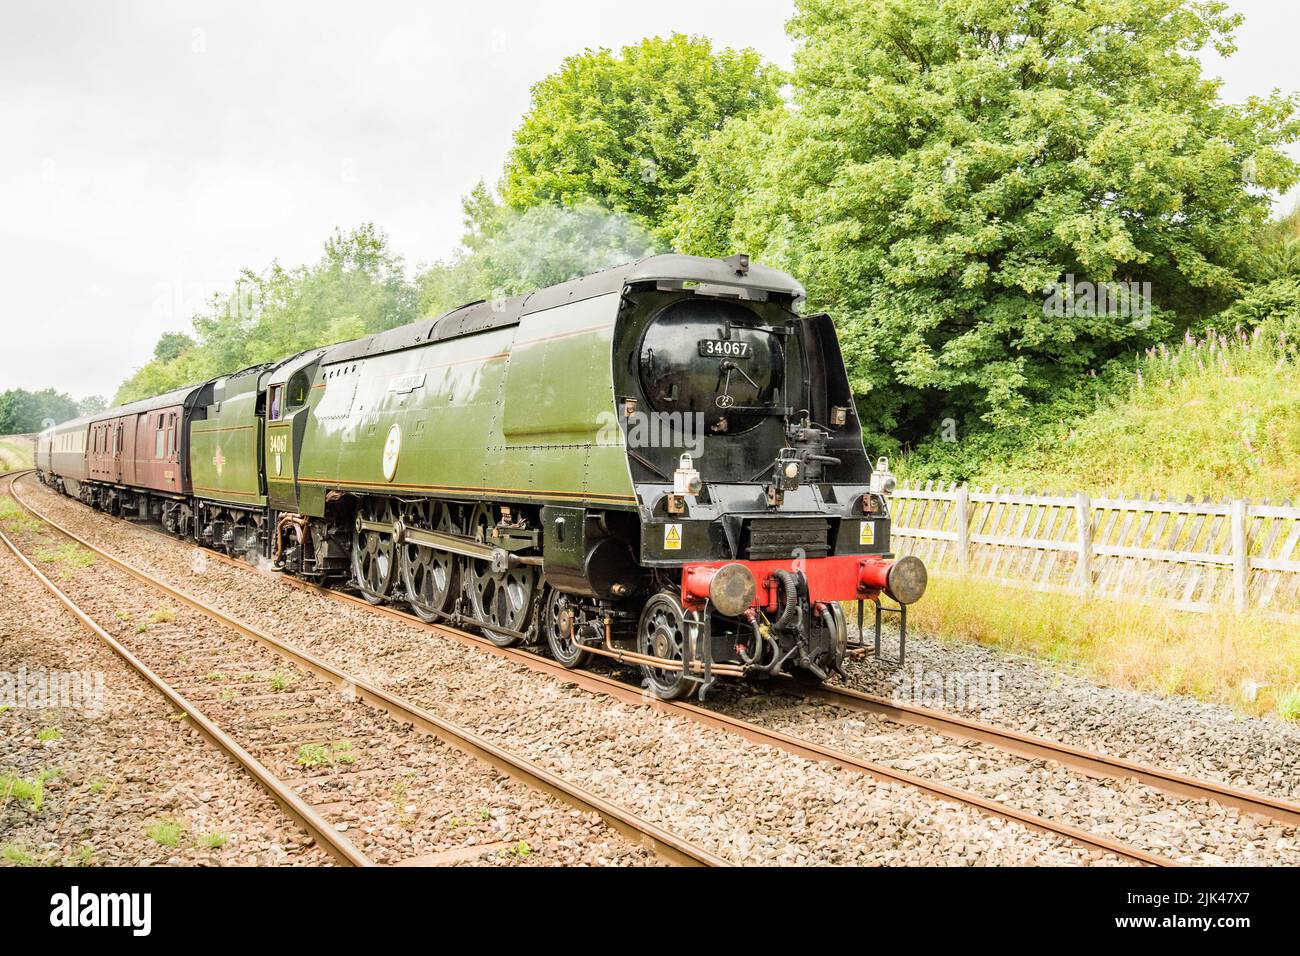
[662, 632]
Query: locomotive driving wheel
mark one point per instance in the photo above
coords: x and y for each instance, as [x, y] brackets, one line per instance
[374, 554]
[501, 599]
[429, 576]
[561, 623]
[661, 632]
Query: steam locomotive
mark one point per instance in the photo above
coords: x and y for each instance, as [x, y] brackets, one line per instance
[659, 463]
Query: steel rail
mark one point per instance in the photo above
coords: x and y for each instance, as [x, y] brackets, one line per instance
[668, 845]
[608, 686]
[600, 684]
[1040, 748]
[307, 816]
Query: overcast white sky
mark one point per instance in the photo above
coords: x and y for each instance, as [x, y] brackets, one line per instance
[149, 150]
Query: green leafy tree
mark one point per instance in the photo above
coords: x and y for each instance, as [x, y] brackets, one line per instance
[172, 345]
[622, 130]
[91, 405]
[950, 162]
[22, 412]
[357, 287]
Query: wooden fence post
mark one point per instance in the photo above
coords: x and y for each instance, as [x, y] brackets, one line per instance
[1083, 522]
[963, 528]
[1240, 556]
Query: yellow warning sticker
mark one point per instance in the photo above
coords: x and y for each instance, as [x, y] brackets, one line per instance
[672, 537]
[867, 533]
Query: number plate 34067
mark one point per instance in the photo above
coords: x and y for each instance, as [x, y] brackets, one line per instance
[724, 348]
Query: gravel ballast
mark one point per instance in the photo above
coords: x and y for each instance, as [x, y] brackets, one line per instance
[1190, 832]
[119, 767]
[748, 803]
[1180, 734]
[400, 795]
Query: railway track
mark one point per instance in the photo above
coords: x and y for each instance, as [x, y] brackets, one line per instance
[620, 690]
[611, 687]
[1039, 748]
[1022, 745]
[1090, 763]
[335, 843]
[666, 844]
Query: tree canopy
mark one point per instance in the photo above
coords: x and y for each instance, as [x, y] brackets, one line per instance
[954, 181]
[23, 412]
[358, 286]
[948, 163]
[622, 130]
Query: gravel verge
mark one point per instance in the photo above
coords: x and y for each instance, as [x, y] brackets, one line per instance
[1181, 734]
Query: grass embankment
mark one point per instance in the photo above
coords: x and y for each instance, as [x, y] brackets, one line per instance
[15, 453]
[1217, 416]
[1249, 663]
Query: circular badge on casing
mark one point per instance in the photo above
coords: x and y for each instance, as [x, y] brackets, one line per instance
[392, 449]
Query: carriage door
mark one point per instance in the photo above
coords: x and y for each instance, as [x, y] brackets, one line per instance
[285, 405]
[118, 443]
[132, 471]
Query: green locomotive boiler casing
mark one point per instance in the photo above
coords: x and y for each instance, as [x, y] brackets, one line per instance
[500, 401]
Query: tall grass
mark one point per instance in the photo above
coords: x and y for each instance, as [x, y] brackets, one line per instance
[1284, 227]
[1214, 416]
[1250, 663]
[15, 453]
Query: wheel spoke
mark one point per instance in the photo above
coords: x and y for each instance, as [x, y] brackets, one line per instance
[373, 555]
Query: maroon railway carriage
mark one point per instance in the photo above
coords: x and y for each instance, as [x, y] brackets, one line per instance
[130, 460]
[139, 449]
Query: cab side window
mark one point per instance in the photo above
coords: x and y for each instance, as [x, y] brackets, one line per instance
[298, 391]
[276, 401]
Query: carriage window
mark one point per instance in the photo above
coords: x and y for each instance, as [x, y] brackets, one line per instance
[160, 440]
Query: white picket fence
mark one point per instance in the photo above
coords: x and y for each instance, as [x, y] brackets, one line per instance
[1196, 556]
